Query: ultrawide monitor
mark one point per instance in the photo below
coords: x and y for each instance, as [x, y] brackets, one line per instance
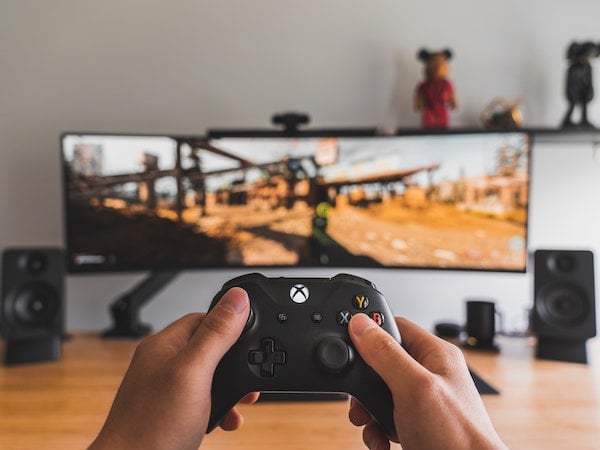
[432, 201]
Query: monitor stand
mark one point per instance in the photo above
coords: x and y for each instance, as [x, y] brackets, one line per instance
[125, 310]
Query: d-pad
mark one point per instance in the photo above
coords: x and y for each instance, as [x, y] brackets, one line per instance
[267, 357]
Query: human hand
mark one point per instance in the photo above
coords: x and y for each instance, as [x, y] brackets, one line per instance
[436, 404]
[164, 398]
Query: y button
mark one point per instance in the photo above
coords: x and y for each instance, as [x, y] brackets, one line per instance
[360, 301]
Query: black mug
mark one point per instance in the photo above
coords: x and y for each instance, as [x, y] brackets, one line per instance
[481, 324]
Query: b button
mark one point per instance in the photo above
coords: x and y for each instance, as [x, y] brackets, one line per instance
[377, 317]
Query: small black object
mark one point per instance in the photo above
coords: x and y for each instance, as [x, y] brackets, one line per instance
[564, 315]
[32, 304]
[481, 325]
[301, 354]
[448, 330]
[483, 387]
[579, 86]
[290, 120]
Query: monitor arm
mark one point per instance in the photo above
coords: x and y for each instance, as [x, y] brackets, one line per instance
[125, 310]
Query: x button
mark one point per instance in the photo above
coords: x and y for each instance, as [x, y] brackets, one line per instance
[343, 317]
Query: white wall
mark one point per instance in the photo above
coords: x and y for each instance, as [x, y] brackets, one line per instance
[185, 66]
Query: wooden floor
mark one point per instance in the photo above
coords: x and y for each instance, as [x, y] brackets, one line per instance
[61, 405]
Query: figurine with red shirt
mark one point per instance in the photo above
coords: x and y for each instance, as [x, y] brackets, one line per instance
[435, 95]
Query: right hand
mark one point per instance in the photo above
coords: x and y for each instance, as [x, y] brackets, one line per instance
[436, 404]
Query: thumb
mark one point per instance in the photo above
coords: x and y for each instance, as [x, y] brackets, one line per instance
[382, 352]
[219, 329]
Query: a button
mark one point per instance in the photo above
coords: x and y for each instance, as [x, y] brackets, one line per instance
[343, 317]
[316, 317]
[360, 301]
[334, 354]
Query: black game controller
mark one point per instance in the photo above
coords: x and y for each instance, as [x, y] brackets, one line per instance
[296, 340]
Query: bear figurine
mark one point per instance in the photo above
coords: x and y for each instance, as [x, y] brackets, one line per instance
[434, 96]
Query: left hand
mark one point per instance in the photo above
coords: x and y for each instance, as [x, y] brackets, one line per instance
[164, 399]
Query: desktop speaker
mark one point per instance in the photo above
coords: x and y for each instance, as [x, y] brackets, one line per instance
[564, 310]
[31, 304]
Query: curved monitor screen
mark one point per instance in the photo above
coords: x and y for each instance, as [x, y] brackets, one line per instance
[436, 201]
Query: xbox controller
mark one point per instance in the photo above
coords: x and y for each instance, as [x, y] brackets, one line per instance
[296, 340]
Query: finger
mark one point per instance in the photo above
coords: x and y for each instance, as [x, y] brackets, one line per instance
[174, 337]
[184, 326]
[357, 414]
[383, 353]
[219, 330]
[432, 352]
[417, 341]
[250, 398]
[232, 421]
[374, 438]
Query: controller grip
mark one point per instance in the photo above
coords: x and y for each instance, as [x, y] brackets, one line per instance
[384, 416]
[220, 404]
[379, 403]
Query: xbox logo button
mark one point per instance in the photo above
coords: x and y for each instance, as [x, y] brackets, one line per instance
[299, 293]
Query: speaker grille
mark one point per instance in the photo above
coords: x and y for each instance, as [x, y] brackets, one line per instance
[562, 304]
[34, 304]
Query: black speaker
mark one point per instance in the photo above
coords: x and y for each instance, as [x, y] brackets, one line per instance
[564, 310]
[31, 304]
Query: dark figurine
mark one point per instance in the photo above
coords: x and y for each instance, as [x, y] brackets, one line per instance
[435, 95]
[580, 89]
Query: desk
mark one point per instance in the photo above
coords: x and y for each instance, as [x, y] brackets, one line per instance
[62, 405]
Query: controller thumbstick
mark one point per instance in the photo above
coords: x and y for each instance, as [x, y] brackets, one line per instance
[334, 354]
[250, 320]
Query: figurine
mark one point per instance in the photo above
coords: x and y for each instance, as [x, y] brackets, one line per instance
[501, 114]
[435, 95]
[580, 89]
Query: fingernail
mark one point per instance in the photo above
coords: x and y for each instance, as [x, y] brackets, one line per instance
[235, 300]
[361, 323]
